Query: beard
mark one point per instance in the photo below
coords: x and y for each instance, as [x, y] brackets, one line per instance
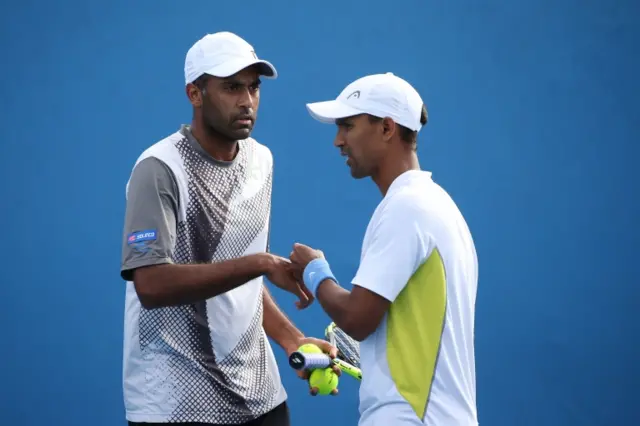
[229, 129]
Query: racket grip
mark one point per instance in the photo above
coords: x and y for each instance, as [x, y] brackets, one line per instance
[304, 361]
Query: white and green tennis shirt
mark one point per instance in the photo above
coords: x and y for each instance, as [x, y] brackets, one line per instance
[418, 367]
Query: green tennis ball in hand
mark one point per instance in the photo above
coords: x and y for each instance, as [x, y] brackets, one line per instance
[324, 379]
[310, 348]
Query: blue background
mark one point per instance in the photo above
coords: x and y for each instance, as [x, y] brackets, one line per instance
[531, 130]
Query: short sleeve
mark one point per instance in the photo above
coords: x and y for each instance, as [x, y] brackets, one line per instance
[396, 245]
[150, 218]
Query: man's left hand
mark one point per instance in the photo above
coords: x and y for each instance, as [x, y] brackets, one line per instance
[284, 274]
[302, 255]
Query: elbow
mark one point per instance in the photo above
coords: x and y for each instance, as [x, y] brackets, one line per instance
[363, 313]
[360, 335]
[358, 328]
[147, 290]
[148, 299]
[149, 302]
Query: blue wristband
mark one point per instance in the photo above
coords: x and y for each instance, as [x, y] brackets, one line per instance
[315, 272]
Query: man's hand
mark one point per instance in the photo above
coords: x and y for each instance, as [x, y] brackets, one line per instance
[326, 347]
[302, 255]
[283, 275]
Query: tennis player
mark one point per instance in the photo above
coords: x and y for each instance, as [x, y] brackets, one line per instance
[412, 303]
[195, 251]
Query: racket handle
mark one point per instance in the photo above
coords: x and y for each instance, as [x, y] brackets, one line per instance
[304, 361]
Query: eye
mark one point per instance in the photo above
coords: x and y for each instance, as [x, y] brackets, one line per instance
[254, 87]
[233, 87]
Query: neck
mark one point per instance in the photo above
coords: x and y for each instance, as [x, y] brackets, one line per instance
[392, 167]
[215, 144]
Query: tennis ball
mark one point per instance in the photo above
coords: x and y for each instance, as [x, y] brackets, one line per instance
[310, 348]
[325, 379]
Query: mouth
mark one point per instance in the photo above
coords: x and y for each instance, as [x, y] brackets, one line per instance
[348, 158]
[244, 120]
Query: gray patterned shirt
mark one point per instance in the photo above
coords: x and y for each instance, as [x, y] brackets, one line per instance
[211, 361]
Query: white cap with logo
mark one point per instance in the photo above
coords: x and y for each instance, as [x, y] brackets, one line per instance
[380, 95]
[222, 54]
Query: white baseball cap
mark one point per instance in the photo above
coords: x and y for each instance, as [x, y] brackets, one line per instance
[380, 95]
[222, 54]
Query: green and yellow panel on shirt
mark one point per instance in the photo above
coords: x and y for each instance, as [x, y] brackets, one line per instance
[414, 331]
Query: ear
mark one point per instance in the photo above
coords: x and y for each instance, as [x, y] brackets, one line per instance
[194, 94]
[389, 128]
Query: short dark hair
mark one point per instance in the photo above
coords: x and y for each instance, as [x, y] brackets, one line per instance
[406, 134]
[201, 82]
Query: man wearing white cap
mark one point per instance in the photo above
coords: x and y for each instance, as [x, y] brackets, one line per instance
[412, 304]
[194, 254]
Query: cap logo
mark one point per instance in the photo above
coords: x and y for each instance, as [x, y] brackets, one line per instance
[253, 53]
[355, 94]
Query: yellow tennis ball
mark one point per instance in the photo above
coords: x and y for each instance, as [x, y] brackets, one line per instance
[310, 348]
[325, 379]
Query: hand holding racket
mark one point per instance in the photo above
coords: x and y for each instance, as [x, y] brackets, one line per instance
[347, 359]
[327, 348]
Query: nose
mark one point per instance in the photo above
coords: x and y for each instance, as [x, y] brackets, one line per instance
[338, 141]
[245, 99]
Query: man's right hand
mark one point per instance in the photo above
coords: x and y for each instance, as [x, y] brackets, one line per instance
[282, 274]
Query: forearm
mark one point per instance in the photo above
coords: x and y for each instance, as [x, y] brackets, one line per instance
[172, 285]
[277, 326]
[335, 301]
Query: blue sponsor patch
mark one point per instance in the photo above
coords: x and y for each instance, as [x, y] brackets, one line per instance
[138, 240]
[141, 236]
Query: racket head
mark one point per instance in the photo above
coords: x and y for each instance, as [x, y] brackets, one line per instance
[348, 348]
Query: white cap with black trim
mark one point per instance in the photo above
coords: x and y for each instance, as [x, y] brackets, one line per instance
[222, 54]
[380, 95]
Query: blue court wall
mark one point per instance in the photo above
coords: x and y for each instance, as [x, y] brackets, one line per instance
[531, 130]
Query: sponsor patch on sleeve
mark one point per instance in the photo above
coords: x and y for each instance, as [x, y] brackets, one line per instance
[139, 239]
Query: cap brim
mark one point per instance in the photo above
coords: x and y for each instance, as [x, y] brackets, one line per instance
[330, 111]
[230, 68]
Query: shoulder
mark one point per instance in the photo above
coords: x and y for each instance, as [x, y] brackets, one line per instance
[165, 149]
[259, 152]
[154, 163]
[152, 175]
[152, 166]
[401, 205]
[405, 213]
[416, 195]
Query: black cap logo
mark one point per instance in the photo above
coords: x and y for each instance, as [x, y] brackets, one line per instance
[355, 94]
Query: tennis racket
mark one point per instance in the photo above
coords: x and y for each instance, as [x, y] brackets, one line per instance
[348, 359]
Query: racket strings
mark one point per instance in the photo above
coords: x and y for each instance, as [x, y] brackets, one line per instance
[348, 348]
